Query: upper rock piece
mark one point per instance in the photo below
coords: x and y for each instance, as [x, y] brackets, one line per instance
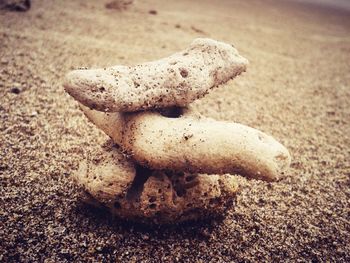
[173, 81]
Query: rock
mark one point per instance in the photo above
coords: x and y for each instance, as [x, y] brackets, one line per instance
[15, 5]
[179, 139]
[173, 81]
[15, 90]
[155, 197]
[119, 4]
[153, 12]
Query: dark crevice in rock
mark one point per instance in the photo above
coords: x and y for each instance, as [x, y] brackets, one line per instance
[171, 112]
[136, 188]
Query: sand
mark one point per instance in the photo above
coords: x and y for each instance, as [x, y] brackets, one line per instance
[296, 88]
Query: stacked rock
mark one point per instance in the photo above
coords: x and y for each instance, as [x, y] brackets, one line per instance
[166, 163]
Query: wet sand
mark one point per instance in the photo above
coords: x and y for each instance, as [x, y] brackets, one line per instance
[296, 88]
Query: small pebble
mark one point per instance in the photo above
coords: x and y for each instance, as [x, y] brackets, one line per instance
[145, 237]
[153, 12]
[15, 90]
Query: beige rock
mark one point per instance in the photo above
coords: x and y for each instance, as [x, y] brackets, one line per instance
[194, 144]
[136, 193]
[173, 81]
[104, 173]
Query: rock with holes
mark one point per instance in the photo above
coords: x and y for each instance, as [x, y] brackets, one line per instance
[105, 175]
[183, 141]
[173, 81]
[178, 197]
[169, 144]
[140, 194]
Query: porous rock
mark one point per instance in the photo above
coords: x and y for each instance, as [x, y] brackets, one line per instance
[176, 80]
[139, 194]
[181, 140]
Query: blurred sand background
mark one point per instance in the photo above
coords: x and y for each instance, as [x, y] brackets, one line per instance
[297, 88]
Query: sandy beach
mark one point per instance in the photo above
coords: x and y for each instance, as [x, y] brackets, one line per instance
[296, 88]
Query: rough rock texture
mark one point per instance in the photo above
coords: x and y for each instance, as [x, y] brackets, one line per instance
[105, 173]
[296, 88]
[155, 197]
[176, 80]
[184, 141]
